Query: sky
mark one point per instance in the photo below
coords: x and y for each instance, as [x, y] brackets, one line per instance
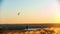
[31, 11]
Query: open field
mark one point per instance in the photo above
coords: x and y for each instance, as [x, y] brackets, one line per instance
[20, 29]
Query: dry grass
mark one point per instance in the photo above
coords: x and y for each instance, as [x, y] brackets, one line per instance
[40, 31]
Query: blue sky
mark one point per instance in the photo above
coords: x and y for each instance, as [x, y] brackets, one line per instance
[31, 10]
[13, 5]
